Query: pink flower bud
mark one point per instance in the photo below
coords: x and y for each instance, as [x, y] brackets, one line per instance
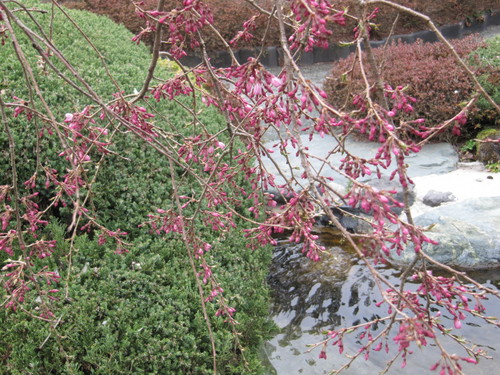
[470, 360]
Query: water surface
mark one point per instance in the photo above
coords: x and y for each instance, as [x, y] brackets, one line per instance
[311, 298]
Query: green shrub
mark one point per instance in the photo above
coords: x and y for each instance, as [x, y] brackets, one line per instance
[427, 69]
[140, 313]
[126, 62]
[486, 61]
[125, 189]
[120, 318]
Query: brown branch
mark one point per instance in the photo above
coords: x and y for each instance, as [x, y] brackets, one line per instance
[154, 57]
[13, 166]
[185, 238]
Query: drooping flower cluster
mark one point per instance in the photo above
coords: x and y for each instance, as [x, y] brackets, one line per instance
[312, 17]
[182, 25]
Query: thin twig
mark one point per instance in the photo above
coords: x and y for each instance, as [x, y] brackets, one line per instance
[155, 56]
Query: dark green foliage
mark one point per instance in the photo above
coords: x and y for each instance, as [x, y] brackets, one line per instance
[130, 185]
[126, 62]
[140, 313]
[487, 61]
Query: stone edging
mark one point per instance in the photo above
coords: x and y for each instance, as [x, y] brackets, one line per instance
[273, 55]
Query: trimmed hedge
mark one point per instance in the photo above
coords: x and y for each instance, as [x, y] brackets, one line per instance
[140, 313]
[230, 15]
[126, 62]
[137, 313]
[227, 19]
[125, 191]
[443, 12]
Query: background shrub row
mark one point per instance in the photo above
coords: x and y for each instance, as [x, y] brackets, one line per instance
[230, 15]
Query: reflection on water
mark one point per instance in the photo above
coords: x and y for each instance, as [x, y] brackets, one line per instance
[311, 298]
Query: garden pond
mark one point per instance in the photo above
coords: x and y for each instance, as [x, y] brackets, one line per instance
[311, 298]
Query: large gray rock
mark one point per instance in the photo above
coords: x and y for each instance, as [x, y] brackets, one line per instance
[468, 234]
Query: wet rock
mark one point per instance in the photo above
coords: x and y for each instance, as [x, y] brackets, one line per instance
[344, 216]
[467, 232]
[435, 198]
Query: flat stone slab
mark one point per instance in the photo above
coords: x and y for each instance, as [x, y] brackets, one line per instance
[434, 158]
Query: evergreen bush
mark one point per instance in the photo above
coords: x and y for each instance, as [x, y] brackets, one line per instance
[488, 64]
[124, 191]
[138, 313]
